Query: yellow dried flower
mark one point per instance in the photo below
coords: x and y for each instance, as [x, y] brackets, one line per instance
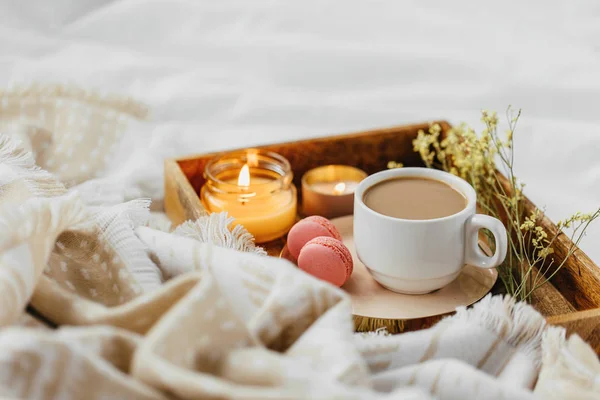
[490, 118]
[422, 145]
[545, 252]
[464, 153]
[435, 129]
[577, 218]
[527, 225]
[394, 164]
[509, 136]
[530, 221]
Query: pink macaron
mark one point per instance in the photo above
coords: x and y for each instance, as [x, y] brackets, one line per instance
[308, 229]
[328, 259]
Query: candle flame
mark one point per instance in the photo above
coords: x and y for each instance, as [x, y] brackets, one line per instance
[339, 188]
[244, 177]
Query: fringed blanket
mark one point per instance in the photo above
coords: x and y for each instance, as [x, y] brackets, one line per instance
[102, 299]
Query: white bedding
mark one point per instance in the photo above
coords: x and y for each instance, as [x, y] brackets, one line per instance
[220, 74]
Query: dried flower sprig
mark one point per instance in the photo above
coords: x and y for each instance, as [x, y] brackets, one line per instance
[462, 152]
[394, 164]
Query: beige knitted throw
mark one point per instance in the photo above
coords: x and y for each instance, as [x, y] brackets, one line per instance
[97, 303]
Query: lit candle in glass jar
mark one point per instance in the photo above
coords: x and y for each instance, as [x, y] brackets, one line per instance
[255, 187]
[329, 191]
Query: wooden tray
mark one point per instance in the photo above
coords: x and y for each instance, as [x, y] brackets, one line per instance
[571, 299]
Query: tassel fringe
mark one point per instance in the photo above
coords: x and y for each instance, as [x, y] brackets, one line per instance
[518, 324]
[117, 226]
[376, 333]
[39, 182]
[215, 229]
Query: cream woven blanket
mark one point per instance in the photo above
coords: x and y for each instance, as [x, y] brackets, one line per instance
[101, 301]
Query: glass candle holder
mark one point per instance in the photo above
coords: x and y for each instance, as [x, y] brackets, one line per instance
[255, 187]
[329, 190]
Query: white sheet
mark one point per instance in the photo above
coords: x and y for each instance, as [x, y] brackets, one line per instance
[221, 74]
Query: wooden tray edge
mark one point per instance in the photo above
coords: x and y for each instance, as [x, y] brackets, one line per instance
[584, 323]
[181, 200]
[343, 136]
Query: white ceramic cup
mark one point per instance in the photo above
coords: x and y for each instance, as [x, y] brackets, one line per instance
[420, 256]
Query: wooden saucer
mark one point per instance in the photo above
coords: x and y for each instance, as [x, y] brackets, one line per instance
[374, 306]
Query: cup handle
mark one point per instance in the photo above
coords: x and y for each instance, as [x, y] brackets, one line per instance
[473, 254]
